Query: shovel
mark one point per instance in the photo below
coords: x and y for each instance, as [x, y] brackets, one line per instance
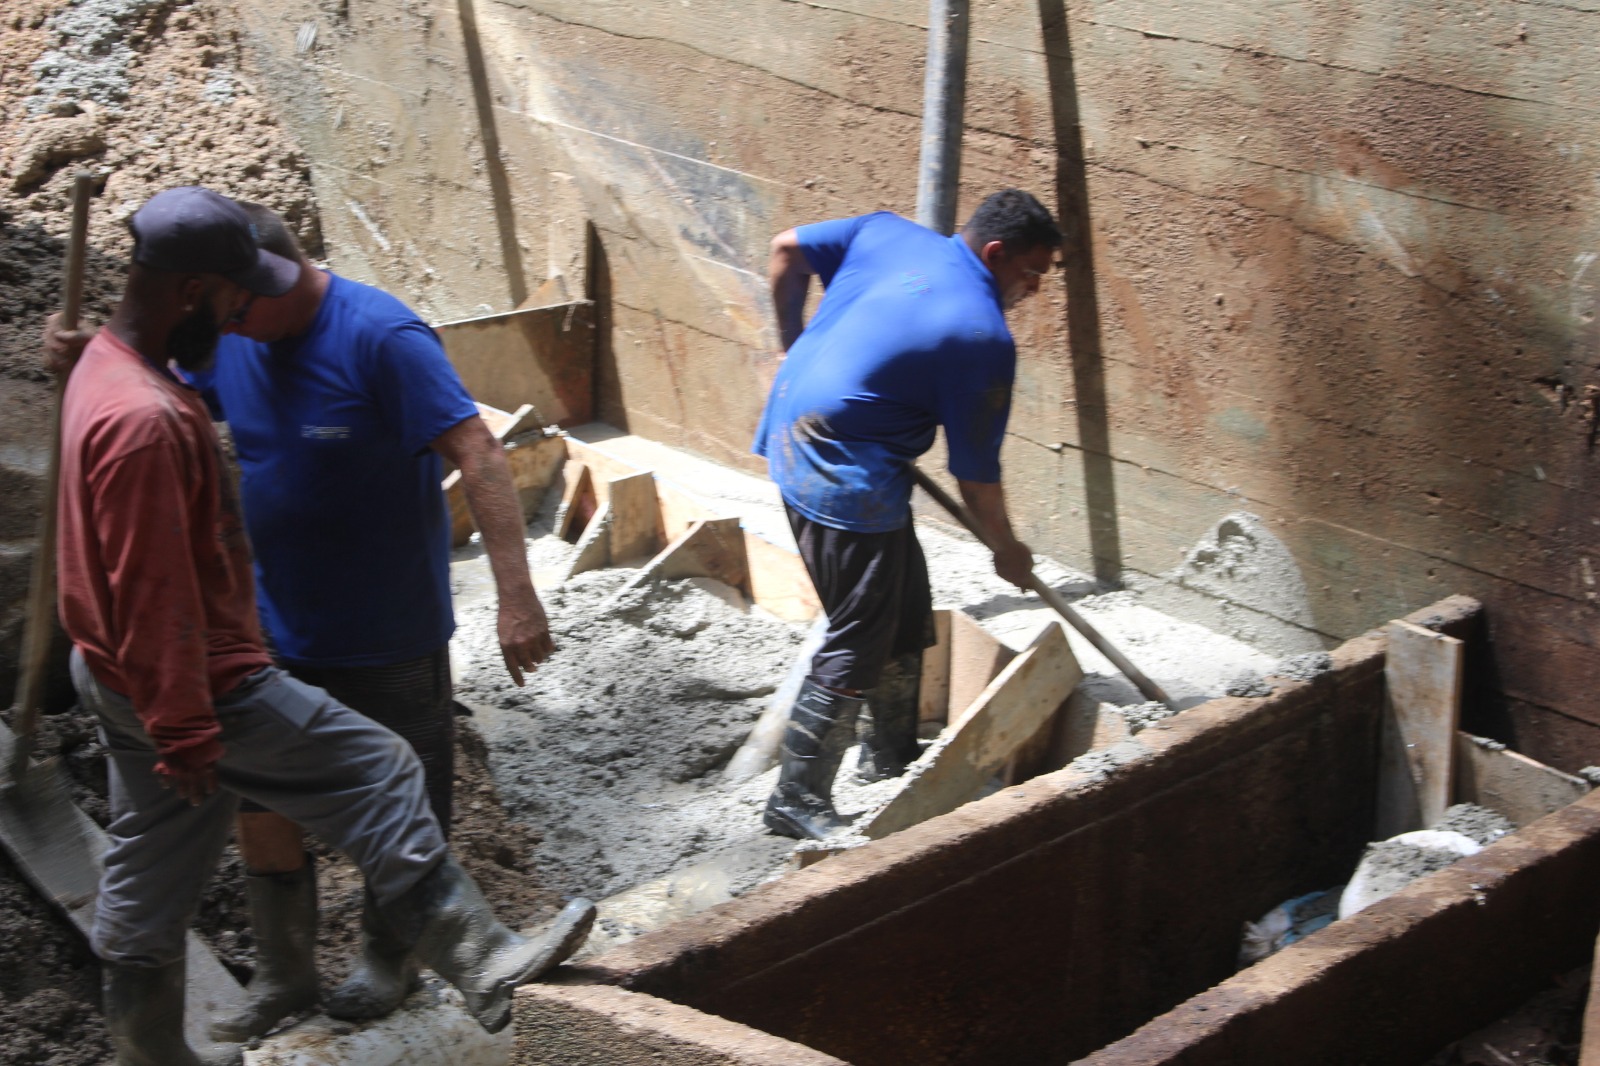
[1147, 688]
[54, 845]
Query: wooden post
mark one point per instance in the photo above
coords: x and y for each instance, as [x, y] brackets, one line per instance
[578, 502]
[594, 547]
[1422, 672]
[635, 518]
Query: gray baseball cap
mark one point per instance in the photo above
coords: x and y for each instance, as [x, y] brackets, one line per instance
[192, 230]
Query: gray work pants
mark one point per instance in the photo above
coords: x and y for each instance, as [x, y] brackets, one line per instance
[289, 747]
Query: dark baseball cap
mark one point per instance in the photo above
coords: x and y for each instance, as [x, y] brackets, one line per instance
[192, 230]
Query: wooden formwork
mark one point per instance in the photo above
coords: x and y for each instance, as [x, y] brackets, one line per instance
[1094, 913]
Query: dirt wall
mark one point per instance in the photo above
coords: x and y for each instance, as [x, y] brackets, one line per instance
[1332, 262]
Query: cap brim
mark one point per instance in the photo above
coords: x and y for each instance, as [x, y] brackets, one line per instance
[272, 275]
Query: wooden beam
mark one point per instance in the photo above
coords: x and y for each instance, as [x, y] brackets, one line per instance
[578, 500]
[594, 547]
[1510, 783]
[983, 738]
[933, 695]
[711, 548]
[543, 356]
[779, 582]
[1422, 672]
[975, 658]
[635, 518]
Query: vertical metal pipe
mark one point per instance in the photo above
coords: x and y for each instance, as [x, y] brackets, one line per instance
[944, 97]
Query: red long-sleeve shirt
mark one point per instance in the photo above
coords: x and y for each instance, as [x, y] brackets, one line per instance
[155, 581]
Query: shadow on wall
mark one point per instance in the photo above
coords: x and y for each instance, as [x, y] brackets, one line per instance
[608, 406]
[1083, 304]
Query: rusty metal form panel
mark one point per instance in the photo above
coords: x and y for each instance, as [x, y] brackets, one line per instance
[543, 356]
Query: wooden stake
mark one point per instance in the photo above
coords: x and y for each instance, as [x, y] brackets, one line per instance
[1422, 672]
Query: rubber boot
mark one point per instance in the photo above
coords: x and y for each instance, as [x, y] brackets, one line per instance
[889, 728]
[821, 726]
[144, 1016]
[385, 974]
[451, 929]
[283, 917]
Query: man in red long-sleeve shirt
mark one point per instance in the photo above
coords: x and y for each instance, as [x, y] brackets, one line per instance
[156, 594]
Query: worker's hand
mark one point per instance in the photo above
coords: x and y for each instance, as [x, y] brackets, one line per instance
[1014, 563]
[193, 783]
[63, 347]
[524, 636]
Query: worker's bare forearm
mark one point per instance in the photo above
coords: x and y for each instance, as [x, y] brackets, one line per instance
[789, 274]
[492, 498]
[986, 502]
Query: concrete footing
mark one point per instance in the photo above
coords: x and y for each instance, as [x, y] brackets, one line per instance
[1095, 912]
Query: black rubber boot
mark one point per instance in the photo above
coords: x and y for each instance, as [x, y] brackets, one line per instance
[452, 930]
[821, 726]
[382, 978]
[283, 917]
[144, 1015]
[889, 727]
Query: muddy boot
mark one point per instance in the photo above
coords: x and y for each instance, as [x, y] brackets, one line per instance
[889, 728]
[144, 1015]
[283, 917]
[821, 726]
[381, 980]
[452, 930]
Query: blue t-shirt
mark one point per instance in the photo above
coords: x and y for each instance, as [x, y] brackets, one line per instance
[339, 486]
[910, 336]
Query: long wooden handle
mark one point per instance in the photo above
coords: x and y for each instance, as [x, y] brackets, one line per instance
[1147, 688]
[42, 586]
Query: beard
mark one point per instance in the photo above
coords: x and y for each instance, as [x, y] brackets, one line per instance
[192, 344]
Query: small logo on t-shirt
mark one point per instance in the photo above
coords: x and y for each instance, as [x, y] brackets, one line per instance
[915, 284]
[325, 432]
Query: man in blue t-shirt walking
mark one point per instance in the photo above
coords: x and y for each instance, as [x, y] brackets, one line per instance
[910, 336]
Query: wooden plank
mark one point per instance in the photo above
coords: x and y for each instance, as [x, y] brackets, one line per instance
[933, 695]
[1422, 672]
[578, 500]
[543, 356]
[594, 547]
[975, 658]
[779, 582]
[980, 741]
[635, 518]
[1508, 782]
[711, 548]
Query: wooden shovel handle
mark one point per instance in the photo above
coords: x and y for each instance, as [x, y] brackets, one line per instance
[1147, 688]
[42, 586]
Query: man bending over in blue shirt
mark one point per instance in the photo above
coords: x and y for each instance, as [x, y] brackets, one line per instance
[910, 336]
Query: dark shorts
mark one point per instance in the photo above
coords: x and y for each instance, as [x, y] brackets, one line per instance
[412, 699]
[874, 590]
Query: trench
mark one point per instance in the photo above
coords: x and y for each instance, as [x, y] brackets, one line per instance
[1086, 904]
